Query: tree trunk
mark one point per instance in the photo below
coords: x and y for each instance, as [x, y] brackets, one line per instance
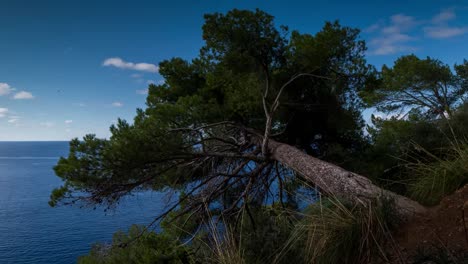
[337, 181]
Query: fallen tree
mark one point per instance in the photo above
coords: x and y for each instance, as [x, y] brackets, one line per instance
[337, 181]
[200, 131]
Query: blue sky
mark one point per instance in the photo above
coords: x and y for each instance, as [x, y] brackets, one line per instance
[68, 68]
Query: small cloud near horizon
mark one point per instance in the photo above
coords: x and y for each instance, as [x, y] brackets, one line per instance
[13, 120]
[5, 89]
[22, 95]
[117, 104]
[3, 111]
[121, 64]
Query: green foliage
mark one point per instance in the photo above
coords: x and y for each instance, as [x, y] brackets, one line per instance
[322, 112]
[138, 247]
[418, 157]
[243, 40]
[265, 239]
[392, 142]
[424, 84]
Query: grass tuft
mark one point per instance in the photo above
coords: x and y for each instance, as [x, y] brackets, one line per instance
[337, 232]
[436, 177]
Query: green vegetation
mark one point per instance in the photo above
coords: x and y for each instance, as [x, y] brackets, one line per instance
[211, 132]
[138, 247]
[435, 178]
[337, 232]
[326, 232]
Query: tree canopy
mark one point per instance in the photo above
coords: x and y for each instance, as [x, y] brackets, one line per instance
[205, 131]
[426, 85]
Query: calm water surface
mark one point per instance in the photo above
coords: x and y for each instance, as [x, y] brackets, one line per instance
[33, 232]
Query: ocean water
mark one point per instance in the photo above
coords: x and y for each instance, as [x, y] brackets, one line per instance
[33, 232]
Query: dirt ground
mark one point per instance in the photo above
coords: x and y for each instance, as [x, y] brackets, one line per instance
[440, 236]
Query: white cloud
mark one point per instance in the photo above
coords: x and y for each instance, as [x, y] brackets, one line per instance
[3, 111]
[444, 16]
[68, 121]
[403, 21]
[47, 124]
[119, 63]
[391, 43]
[393, 37]
[372, 28]
[440, 28]
[401, 31]
[14, 120]
[5, 89]
[439, 32]
[23, 95]
[117, 104]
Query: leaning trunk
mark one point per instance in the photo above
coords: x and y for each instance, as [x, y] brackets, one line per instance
[334, 180]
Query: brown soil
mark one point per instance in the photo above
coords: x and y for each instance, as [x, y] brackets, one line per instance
[443, 230]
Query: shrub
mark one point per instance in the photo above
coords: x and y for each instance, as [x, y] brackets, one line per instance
[138, 247]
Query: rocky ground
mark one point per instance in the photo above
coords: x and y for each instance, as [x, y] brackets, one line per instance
[440, 236]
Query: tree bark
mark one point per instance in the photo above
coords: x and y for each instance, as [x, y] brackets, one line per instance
[337, 181]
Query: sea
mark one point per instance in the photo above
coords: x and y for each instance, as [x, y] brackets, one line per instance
[33, 232]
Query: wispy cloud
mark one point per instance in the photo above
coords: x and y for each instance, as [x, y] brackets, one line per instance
[444, 16]
[23, 95]
[3, 112]
[440, 28]
[119, 63]
[13, 120]
[441, 32]
[117, 104]
[393, 37]
[400, 32]
[5, 89]
[68, 121]
[373, 27]
[400, 23]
